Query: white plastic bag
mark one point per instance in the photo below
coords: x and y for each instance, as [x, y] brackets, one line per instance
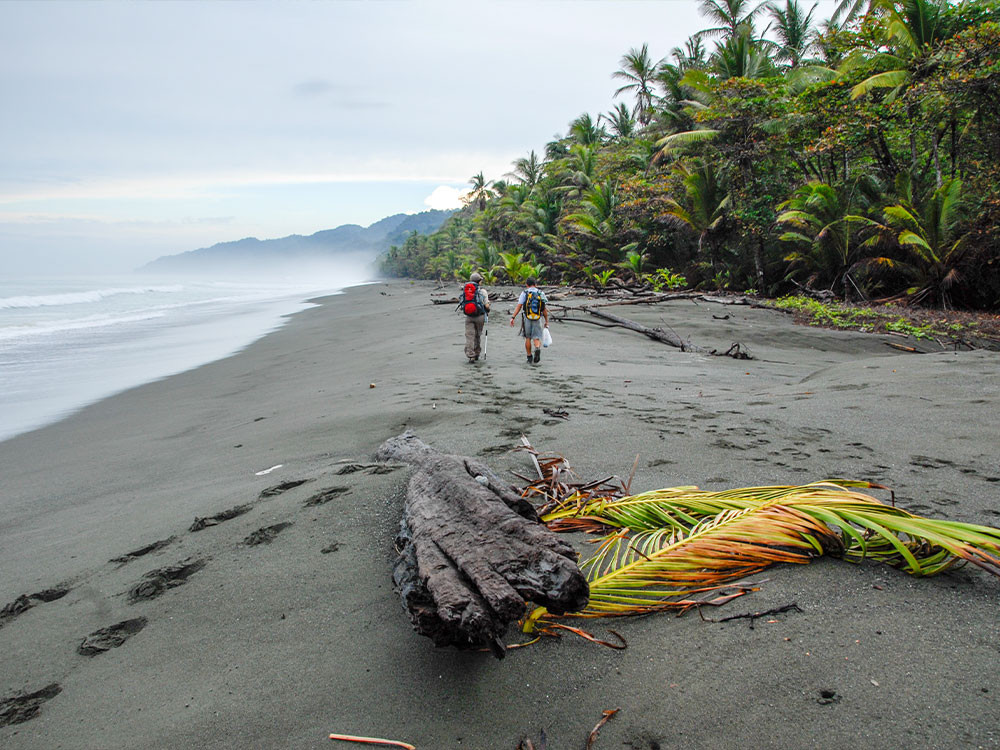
[546, 338]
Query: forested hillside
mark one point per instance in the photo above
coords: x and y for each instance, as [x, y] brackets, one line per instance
[774, 152]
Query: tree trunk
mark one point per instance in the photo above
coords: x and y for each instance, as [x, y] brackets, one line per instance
[758, 262]
[937, 157]
[473, 551]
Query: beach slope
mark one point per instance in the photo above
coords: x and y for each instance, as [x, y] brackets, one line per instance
[234, 518]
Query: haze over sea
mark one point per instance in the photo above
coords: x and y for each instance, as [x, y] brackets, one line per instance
[68, 342]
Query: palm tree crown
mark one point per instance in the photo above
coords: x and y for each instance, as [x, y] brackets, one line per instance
[638, 70]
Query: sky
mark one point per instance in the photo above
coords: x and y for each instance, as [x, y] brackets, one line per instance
[134, 130]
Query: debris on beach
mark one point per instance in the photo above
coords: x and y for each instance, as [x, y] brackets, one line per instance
[372, 741]
[606, 717]
[681, 548]
[472, 553]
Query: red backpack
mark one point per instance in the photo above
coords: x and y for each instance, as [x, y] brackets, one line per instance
[470, 303]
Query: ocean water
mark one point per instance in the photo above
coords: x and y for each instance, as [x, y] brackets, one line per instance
[68, 342]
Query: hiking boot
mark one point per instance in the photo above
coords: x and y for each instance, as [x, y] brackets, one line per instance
[529, 359]
[538, 355]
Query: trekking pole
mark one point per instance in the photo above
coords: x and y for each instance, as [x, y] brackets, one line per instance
[486, 334]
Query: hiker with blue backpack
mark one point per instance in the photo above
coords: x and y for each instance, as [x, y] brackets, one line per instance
[475, 304]
[533, 307]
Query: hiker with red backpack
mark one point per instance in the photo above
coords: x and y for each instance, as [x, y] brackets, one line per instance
[475, 304]
[533, 307]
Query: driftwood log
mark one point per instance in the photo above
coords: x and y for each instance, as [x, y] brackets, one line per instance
[472, 551]
[736, 351]
[657, 334]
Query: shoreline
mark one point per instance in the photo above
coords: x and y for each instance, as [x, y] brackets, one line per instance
[277, 644]
[155, 347]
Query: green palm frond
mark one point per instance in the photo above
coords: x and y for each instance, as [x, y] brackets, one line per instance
[891, 79]
[678, 140]
[673, 543]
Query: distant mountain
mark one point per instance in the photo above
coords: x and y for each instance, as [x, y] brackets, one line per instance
[349, 242]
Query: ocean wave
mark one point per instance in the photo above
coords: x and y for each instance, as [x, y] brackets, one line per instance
[9, 333]
[78, 298]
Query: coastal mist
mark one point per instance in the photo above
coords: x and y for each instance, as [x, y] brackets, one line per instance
[66, 342]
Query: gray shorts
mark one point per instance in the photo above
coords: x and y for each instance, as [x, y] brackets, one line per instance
[532, 329]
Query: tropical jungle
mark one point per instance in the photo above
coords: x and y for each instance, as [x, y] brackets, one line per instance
[775, 153]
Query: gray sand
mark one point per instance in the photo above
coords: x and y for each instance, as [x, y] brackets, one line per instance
[277, 644]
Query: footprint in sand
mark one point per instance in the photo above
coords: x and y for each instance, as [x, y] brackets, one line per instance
[283, 487]
[202, 523]
[266, 535]
[324, 496]
[143, 551]
[24, 706]
[110, 637]
[26, 601]
[155, 582]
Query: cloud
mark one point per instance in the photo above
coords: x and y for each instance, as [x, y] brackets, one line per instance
[444, 198]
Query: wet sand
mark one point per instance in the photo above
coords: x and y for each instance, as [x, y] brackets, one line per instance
[274, 622]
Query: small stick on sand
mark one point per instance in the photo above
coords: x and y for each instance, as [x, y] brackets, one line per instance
[601, 723]
[371, 741]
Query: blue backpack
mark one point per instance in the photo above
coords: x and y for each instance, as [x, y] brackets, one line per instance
[533, 304]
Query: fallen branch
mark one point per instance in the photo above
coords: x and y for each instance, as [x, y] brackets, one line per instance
[604, 720]
[372, 741]
[910, 349]
[657, 334]
[793, 607]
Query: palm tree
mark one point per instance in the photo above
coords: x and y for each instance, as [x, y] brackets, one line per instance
[706, 205]
[692, 55]
[931, 234]
[674, 113]
[515, 267]
[597, 222]
[578, 170]
[742, 56]
[528, 171]
[585, 131]
[480, 192]
[848, 10]
[794, 30]
[728, 15]
[621, 121]
[638, 70]
[912, 29]
[819, 222]
[487, 255]
[557, 148]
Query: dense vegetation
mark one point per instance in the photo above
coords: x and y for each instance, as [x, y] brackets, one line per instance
[772, 153]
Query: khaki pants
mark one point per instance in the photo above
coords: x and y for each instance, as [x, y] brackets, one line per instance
[473, 335]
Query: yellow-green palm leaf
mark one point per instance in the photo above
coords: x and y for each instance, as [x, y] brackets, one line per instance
[678, 541]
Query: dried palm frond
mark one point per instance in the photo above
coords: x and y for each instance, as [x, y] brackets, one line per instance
[681, 541]
[556, 486]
